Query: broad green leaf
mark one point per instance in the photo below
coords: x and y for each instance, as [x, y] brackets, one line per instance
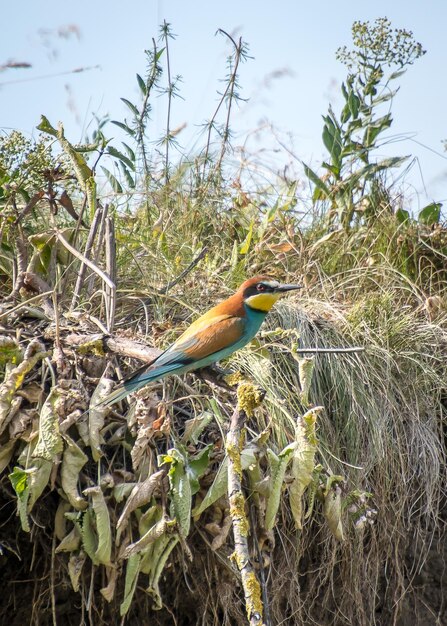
[153, 588]
[114, 182]
[303, 461]
[180, 489]
[245, 245]
[89, 539]
[130, 152]
[122, 491]
[97, 414]
[430, 214]
[160, 528]
[124, 127]
[217, 490]
[122, 157]
[141, 494]
[305, 370]
[102, 521]
[333, 143]
[13, 381]
[220, 482]
[354, 104]
[316, 180]
[131, 106]
[49, 443]
[397, 74]
[402, 215]
[73, 461]
[278, 466]
[130, 181]
[155, 550]
[141, 85]
[20, 481]
[374, 129]
[38, 480]
[46, 127]
[130, 584]
[196, 467]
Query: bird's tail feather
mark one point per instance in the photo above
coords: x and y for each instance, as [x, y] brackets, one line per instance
[137, 382]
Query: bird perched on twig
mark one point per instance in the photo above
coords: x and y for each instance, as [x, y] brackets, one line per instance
[218, 333]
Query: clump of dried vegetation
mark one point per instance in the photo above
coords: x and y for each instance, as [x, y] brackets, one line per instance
[124, 511]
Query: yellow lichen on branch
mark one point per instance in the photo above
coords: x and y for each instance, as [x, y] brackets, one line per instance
[248, 398]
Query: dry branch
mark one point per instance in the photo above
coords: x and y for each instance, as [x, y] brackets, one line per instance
[252, 589]
[118, 345]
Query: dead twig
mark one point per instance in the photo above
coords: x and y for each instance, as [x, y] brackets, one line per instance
[111, 271]
[118, 345]
[186, 271]
[87, 251]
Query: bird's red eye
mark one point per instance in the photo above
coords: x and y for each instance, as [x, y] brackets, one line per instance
[261, 287]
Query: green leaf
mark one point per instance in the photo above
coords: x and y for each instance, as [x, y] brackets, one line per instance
[130, 181]
[220, 482]
[130, 584]
[402, 215]
[122, 157]
[430, 214]
[197, 466]
[129, 151]
[114, 182]
[162, 527]
[374, 128]
[20, 482]
[38, 480]
[397, 74]
[141, 85]
[217, 490]
[102, 521]
[153, 588]
[97, 414]
[73, 461]
[278, 466]
[332, 140]
[245, 245]
[303, 461]
[46, 127]
[316, 180]
[180, 489]
[89, 539]
[49, 444]
[354, 104]
[345, 114]
[131, 106]
[124, 127]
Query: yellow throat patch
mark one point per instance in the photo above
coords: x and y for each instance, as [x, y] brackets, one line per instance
[262, 301]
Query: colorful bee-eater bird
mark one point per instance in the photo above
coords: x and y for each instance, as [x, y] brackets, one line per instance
[218, 333]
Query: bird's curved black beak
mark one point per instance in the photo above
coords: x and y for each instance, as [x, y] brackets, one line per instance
[283, 288]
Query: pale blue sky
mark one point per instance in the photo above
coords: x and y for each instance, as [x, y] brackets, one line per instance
[299, 38]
